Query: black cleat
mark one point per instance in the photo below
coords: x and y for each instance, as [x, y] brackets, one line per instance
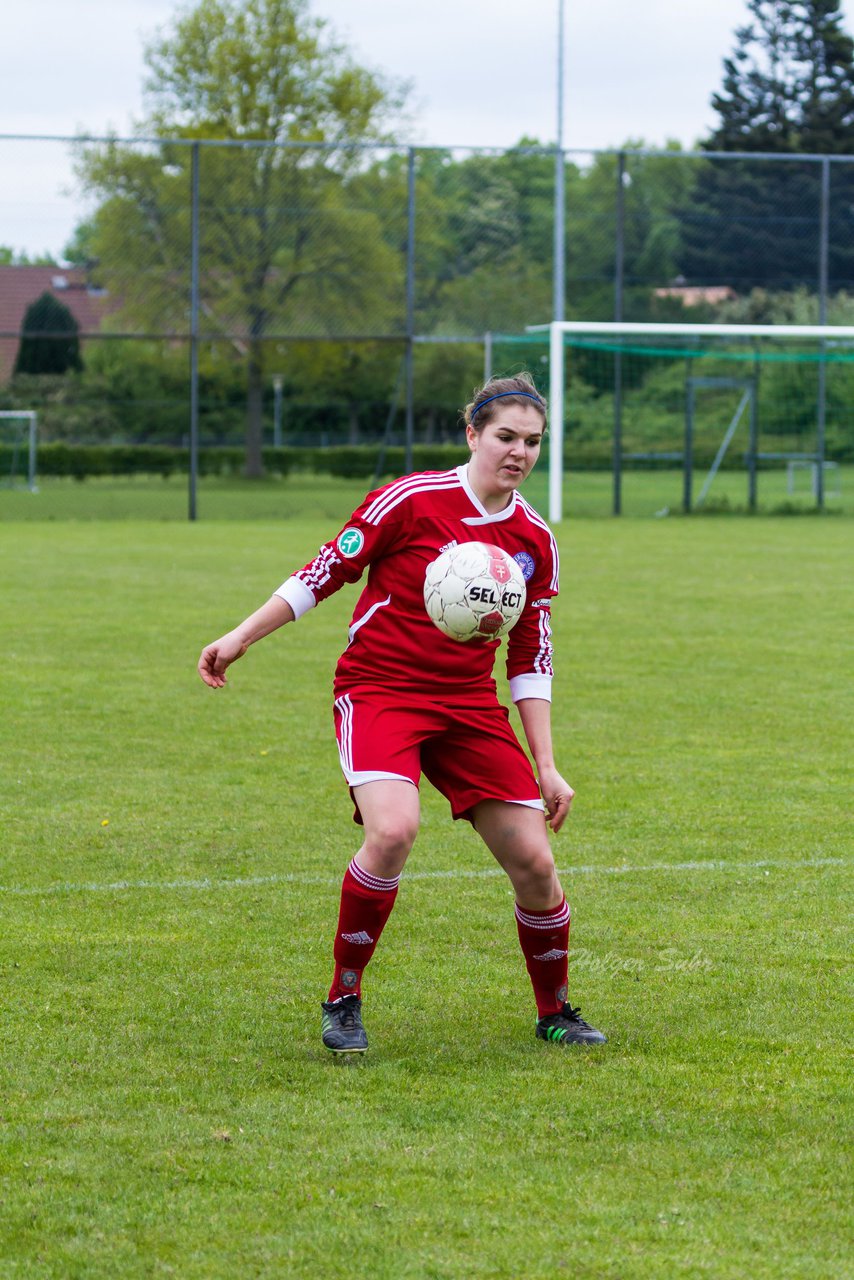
[567, 1027]
[342, 1025]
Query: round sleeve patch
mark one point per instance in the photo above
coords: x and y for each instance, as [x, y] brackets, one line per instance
[350, 542]
[525, 563]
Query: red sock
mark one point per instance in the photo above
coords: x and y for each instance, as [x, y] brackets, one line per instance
[544, 938]
[366, 903]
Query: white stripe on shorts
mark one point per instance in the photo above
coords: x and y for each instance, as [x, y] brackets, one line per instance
[345, 741]
[358, 777]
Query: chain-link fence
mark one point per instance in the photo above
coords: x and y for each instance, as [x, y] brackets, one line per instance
[256, 296]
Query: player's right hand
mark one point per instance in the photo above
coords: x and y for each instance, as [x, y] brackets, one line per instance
[219, 655]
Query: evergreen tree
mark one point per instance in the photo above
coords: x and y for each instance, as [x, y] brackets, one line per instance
[788, 88]
[825, 54]
[755, 104]
[49, 343]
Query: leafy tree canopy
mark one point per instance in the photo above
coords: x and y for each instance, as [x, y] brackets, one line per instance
[286, 245]
[265, 70]
[10, 257]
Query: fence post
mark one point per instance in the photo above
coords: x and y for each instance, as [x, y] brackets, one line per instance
[194, 330]
[410, 314]
[619, 272]
[753, 441]
[823, 247]
[688, 456]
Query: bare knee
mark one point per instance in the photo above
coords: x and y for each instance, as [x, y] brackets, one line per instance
[535, 880]
[388, 840]
[517, 838]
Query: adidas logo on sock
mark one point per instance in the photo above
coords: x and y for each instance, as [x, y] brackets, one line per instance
[552, 955]
[362, 939]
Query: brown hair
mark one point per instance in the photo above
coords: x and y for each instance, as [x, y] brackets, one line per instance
[498, 392]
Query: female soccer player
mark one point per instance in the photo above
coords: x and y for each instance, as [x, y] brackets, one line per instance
[409, 699]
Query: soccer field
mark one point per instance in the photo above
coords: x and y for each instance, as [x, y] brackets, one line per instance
[586, 494]
[169, 877]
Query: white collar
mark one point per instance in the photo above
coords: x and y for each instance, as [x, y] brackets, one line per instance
[485, 517]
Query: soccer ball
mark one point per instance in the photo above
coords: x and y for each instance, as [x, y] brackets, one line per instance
[474, 590]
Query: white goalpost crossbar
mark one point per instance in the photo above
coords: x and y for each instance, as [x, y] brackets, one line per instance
[558, 329]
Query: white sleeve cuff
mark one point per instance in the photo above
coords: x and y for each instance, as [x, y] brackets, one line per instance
[297, 595]
[531, 686]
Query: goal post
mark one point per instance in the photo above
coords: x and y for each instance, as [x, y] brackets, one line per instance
[694, 343]
[24, 424]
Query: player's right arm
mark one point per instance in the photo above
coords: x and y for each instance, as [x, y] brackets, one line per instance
[342, 560]
[221, 653]
[369, 533]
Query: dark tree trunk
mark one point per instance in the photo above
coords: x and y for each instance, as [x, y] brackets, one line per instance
[353, 423]
[254, 413]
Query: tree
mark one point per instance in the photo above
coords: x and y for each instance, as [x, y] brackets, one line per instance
[79, 251]
[284, 249]
[10, 257]
[826, 53]
[788, 87]
[49, 343]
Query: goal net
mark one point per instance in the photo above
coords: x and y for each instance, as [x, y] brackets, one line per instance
[698, 400]
[18, 449]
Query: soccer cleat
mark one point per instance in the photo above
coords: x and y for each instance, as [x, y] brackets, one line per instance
[567, 1027]
[342, 1025]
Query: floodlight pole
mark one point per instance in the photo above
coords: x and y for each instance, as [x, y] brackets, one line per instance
[556, 410]
[558, 303]
[487, 356]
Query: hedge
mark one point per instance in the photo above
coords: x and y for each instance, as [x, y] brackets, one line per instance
[347, 461]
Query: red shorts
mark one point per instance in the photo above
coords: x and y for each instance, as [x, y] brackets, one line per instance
[468, 754]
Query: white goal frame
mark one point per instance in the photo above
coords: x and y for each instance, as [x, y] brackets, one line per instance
[31, 417]
[830, 469]
[558, 329]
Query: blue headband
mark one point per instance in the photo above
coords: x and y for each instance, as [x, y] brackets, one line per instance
[529, 394]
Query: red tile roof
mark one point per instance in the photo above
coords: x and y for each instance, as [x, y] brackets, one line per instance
[20, 286]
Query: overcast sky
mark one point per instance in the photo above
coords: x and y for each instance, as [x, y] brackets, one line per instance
[483, 73]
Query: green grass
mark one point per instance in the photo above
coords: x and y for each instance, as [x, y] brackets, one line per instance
[166, 1107]
[644, 493]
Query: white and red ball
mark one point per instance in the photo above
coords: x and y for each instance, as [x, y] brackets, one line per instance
[474, 590]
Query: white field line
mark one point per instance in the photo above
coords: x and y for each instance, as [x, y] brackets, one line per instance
[255, 882]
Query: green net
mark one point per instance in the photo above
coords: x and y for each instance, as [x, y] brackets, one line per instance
[651, 391]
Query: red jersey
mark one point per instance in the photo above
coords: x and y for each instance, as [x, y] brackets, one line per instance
[395, 533]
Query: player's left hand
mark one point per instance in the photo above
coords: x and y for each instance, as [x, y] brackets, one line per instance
[557, 794]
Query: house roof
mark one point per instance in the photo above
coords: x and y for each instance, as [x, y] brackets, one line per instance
[693, 294]
[21, 286]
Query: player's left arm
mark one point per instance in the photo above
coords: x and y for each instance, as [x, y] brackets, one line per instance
[529, 668]
[535, 714]
[529, 644]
